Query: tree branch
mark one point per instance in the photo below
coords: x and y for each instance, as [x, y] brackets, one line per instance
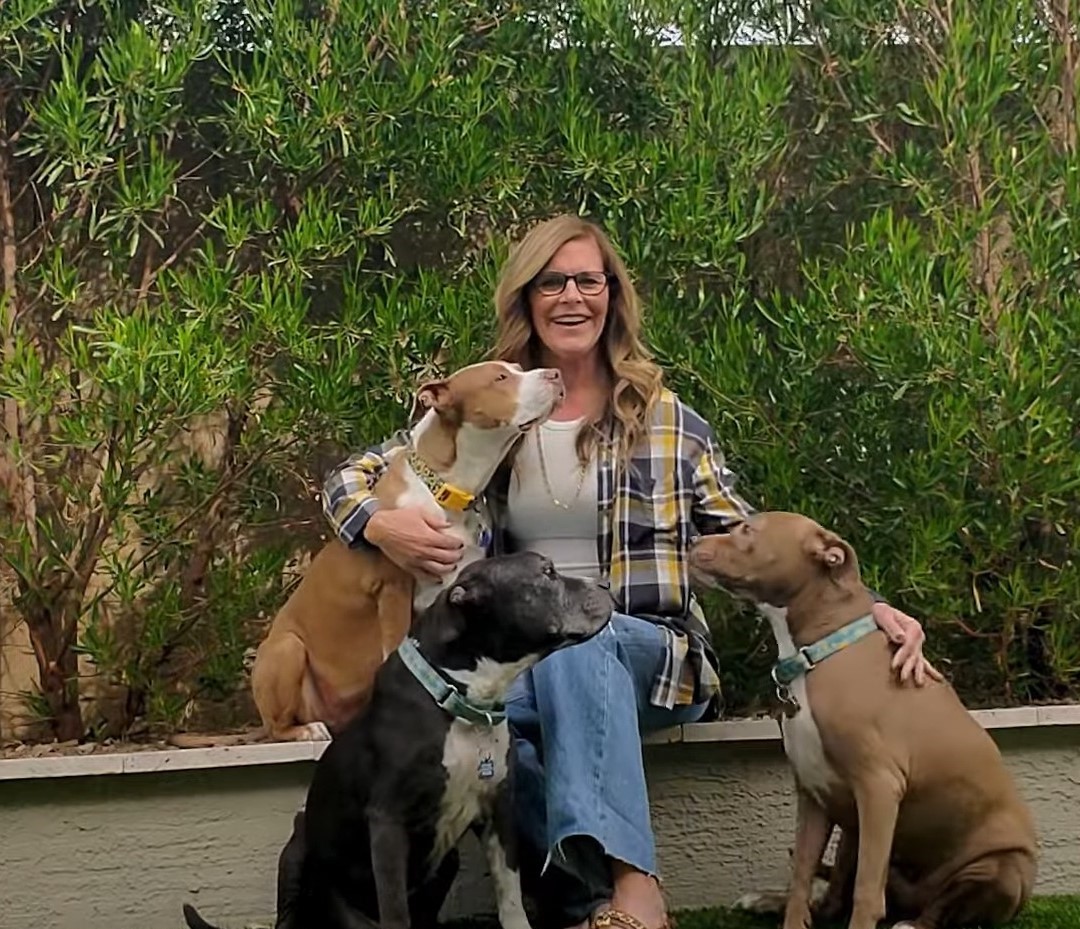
[1065, 32]
[18, 478]
[149, 276]
[197, 511]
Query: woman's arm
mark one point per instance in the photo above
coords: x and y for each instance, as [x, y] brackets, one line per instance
[348, 500]
[717, 507]
[411, 537]
[906, 632]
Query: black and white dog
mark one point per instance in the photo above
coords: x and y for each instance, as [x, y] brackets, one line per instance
[431, 758]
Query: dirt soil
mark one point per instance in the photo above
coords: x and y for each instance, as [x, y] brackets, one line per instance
[10, 750]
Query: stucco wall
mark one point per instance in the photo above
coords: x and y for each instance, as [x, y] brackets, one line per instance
[74, 857]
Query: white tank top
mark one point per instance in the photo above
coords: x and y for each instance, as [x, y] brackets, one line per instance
[565, 534]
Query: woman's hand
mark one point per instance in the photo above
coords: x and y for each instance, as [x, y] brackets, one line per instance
[413, 538]
[906, 632]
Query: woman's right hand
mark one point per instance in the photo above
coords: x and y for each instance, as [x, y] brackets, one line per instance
[413, 538]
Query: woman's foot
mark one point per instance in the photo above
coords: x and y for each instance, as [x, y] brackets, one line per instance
[637, 902]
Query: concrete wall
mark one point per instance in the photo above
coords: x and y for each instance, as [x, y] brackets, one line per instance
[124, 851]
[18, 668]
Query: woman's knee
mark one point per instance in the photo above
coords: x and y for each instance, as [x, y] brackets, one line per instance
[521, 711]
[579, 658]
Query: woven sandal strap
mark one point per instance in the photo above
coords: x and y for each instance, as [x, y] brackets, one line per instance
[619, 919]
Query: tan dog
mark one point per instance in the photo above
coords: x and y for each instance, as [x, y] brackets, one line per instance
[910, 777]
[316, 667]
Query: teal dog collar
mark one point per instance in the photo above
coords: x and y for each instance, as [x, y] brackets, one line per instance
[806, 658]
[445, 694]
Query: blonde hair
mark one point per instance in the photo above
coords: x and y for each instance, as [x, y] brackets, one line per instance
[636, 378]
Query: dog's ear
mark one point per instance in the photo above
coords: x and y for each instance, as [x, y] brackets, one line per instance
[450, 623]
[460, 595]
[834, 553]
[434, 395]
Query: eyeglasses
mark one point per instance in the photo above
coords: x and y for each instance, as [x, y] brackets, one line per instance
[589, 283]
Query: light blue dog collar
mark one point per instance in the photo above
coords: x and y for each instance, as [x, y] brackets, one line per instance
[806, 658]
[444, 693]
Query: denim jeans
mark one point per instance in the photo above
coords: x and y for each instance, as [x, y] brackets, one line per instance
[577, 718]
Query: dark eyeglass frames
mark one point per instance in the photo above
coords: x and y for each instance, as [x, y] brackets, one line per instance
[589, 283]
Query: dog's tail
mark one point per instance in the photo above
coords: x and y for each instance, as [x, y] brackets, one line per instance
[194, 920]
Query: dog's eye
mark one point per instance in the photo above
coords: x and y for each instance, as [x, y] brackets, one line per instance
[549, 571]
[501, 377]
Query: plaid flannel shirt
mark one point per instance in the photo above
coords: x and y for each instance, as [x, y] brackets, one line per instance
[675, 486]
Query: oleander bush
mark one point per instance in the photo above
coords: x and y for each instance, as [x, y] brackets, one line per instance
[234, 235]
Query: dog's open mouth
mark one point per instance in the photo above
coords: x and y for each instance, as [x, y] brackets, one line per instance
[703, 576]
[531, 423]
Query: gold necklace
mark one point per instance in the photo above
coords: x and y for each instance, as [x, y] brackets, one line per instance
[547, 483]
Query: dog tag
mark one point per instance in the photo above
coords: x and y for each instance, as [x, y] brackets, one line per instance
[483, 538]
[486, 768]
[785, 711]
[789, 706]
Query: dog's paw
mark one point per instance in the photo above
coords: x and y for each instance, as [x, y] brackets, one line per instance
[819, 890]
[763, 904]
[317, 732]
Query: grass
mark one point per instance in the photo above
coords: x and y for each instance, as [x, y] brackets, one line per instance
[1041, 913]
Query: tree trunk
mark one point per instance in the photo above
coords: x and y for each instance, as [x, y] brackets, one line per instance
[58, 671]
[61, 686]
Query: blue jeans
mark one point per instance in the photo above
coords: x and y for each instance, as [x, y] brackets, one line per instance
[577, 718]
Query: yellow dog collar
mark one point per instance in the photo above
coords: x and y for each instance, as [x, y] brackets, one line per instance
[446, 495]
[453, 498]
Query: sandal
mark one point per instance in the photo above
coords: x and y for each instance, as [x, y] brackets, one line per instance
[620, 919]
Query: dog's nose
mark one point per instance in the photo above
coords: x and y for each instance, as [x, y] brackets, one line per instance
[553, 374]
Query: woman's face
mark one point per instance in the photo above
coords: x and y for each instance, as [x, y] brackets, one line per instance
[568, 301]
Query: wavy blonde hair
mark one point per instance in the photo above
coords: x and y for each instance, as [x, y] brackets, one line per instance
[636, 379]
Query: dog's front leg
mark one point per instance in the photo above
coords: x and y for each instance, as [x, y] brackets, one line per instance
[389, 864]
[290, 874]
[877, 798]
[812, 830]
[499, 837]
[841, 877]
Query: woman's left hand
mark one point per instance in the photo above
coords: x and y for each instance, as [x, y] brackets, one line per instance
[906, 632]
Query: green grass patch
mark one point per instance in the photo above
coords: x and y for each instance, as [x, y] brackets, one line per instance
[1042, 913]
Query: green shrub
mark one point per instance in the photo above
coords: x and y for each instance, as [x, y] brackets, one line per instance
[235, 235]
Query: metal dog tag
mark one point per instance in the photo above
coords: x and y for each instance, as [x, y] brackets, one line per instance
[486, 768]
[789, 705]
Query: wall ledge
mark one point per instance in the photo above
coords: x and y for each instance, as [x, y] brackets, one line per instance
[758, 729]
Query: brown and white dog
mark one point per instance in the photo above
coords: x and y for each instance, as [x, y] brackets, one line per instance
[315, 669]
[928, 813]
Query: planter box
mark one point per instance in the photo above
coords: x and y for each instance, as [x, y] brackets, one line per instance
[120, 841]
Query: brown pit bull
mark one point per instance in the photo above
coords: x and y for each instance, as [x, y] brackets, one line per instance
[315, 669]
[915, 783]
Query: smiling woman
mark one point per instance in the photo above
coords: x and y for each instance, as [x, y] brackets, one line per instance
[613, 486]
[565, 299]
[569, 307]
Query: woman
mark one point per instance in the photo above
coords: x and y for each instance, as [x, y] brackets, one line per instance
[613, 487]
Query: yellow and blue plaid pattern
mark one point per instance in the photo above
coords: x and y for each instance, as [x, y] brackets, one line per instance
[674, 487]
